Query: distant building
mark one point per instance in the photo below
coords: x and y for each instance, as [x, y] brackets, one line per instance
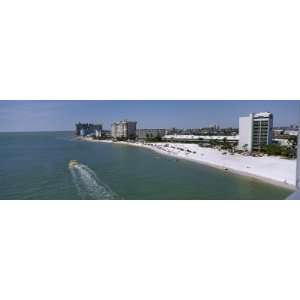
[98, 133]
[85, 129]
[291, 132]
[195, 131]
[123, 129]
[174, 131]
[255, 131]
[214, 128]
[106, 133]
[282, 142]
[200, 138]
[150, 133]
[278, 132]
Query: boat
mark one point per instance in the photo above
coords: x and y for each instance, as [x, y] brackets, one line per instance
[73, 163]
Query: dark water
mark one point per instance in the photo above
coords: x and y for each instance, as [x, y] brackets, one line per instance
[35, 166]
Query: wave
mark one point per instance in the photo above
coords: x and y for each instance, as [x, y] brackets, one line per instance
[88, 185]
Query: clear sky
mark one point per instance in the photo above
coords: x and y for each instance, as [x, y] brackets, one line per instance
[61, 115]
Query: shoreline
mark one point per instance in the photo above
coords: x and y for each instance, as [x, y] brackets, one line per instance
[225, 166]
[221, 168]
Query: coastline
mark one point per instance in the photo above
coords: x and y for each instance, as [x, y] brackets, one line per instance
[272, 170]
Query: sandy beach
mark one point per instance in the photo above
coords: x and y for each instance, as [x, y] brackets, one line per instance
[271, 169]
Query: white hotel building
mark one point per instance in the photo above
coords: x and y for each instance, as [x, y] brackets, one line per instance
[255, 131]
[123, 129]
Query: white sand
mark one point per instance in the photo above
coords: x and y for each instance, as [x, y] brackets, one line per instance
[90, 139]
[269, 168]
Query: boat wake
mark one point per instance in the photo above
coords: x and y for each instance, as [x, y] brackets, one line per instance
[88, 185]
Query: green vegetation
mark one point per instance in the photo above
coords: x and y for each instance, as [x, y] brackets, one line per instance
[293, 141]
[228, 146]
[289, 151]
[132, 137]
[151, 138]
[274, 149]
[223, 144]
[121, 139]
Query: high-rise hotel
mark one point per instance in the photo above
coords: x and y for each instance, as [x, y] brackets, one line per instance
[123, 129]
[255, 131]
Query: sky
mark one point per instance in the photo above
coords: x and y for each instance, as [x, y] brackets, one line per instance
[57, 115]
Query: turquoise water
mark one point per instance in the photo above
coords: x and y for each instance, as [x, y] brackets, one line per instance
[35, 166]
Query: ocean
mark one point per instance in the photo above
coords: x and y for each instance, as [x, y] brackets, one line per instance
[35, 166]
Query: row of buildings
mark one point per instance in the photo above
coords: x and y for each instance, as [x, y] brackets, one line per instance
[119, 130]
[128, 130]
[254, 132]
[212, 130]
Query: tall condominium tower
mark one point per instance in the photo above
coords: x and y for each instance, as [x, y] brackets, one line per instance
[123, 129]
[255, 131]
[84, 129]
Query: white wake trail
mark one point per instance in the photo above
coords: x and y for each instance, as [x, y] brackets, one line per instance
[88, 185]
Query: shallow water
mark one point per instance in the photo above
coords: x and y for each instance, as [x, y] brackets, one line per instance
[35, 166]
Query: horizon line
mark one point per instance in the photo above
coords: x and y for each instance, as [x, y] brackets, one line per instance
[72, 130]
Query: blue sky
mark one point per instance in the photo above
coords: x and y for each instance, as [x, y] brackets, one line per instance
[61, 115]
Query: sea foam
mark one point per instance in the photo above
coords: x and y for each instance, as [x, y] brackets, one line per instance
[88, 185]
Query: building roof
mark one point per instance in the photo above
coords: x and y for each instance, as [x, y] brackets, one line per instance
[262, 115]
[123, 122]
[291, 132]
[197, 137]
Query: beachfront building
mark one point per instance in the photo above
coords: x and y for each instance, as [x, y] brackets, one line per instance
[291, 132]
[255, 131]
[150, 133]
[200, 138]
[88, 129]
[123, 129]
